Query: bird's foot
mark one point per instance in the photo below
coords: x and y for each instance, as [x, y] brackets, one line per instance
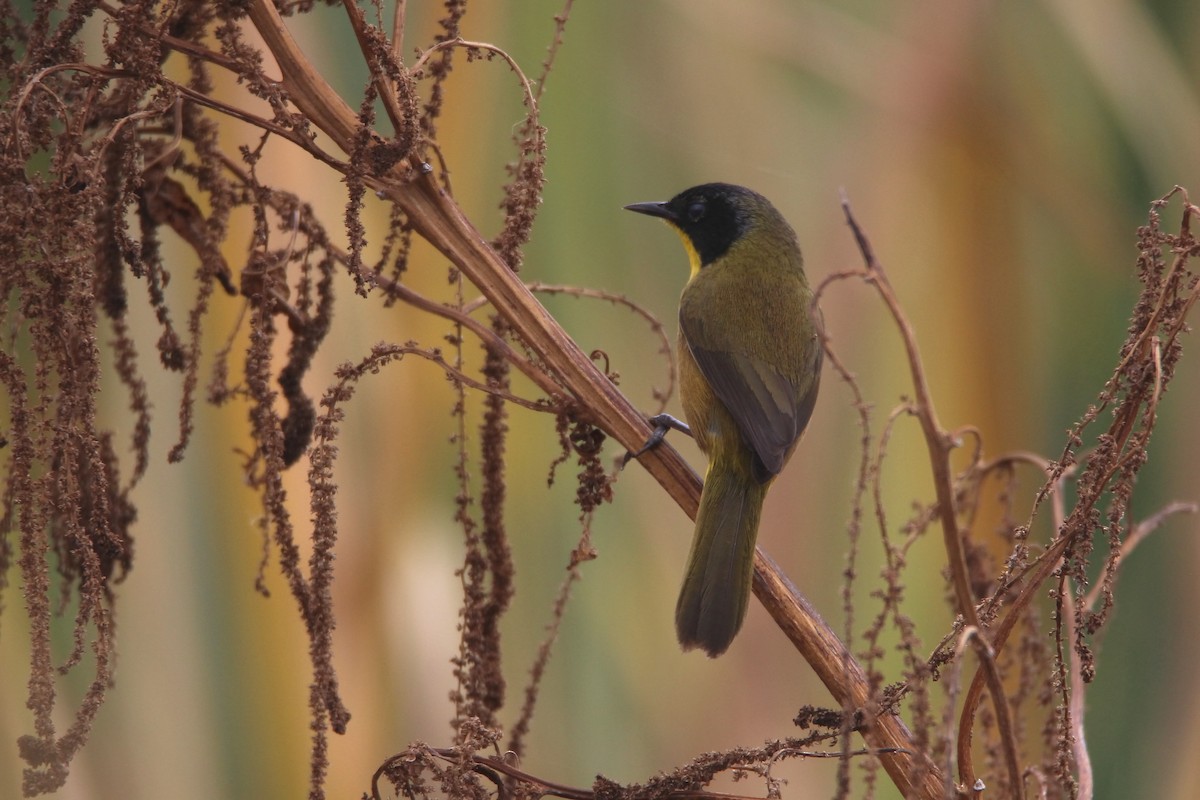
[662, 423]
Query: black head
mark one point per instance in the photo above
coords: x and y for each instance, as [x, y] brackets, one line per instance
[712, 216]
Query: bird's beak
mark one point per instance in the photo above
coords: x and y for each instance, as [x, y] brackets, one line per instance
[654, 210]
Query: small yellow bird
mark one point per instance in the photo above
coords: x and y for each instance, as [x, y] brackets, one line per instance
[749, 368]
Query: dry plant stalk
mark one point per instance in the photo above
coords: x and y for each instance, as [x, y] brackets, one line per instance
[124, 142]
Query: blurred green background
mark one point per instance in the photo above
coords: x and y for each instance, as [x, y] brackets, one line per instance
[1000, 156]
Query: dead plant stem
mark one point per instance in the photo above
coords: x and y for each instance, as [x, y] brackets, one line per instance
[940, 444]
[438, 219]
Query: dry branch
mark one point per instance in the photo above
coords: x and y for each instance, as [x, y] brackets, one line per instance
[587, 404]
[435, 216]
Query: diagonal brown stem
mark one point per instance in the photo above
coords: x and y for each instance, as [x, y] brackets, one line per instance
[436, 217]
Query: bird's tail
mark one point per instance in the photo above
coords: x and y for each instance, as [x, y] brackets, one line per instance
[720, 567]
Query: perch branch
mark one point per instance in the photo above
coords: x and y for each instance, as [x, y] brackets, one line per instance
[438, 219]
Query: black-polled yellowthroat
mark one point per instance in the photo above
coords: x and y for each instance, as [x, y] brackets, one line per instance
[749, 367]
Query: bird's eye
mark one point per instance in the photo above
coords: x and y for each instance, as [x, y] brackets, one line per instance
[695, 211]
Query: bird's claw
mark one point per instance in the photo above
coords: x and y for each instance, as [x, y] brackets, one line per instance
[662, 423]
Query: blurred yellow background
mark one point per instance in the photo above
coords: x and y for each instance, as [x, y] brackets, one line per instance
[1000, 157]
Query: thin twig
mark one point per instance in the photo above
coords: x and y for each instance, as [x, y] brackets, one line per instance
[490, 338]
[939, 444]
[381, 77]
[1075, 705]
[398, 30]
[1135, 537]
[656, 326]
[866, 469]
[530, 96]
[560, 26]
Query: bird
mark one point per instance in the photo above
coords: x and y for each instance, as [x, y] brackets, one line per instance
[750, 353]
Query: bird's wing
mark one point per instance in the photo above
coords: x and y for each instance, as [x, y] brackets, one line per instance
[770, 409]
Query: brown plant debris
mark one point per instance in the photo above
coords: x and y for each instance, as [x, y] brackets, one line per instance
[122, 153]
